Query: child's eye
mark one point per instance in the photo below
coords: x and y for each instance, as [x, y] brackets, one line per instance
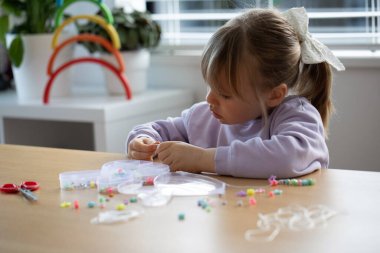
[224, 96]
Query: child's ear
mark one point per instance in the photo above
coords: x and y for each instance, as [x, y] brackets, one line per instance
[276, 95]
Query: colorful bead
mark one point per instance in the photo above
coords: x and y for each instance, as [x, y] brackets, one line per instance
[250, 192]
[133, 200]
[252, 201]
[204, 204]
[274, 183]
[149, 181]
[260, 190]
[241, 194]
[239, 203]
[294, 182]
[76, 204]
[181, 216]
[109, 190]
[92, 184]
[277, 192]
[65, 204]
[68, 187]
[271, 194]
[120, 207]
[91, 204]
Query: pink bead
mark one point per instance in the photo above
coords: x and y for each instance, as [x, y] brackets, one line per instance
[273, 182]
[76, 204]
[149, 181]
[252, 201]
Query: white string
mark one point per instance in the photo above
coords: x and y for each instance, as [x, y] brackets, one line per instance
[294, 218]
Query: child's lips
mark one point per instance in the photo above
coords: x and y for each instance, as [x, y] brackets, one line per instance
[216, 115]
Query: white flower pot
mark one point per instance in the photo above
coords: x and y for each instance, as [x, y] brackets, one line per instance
[136, 67]
[31, 76]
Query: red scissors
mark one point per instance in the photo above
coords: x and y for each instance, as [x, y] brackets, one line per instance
[25, 188]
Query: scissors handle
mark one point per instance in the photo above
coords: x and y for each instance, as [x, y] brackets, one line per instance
[30, 185]
[9, 188]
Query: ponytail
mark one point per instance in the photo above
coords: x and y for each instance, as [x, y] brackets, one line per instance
[316, 85]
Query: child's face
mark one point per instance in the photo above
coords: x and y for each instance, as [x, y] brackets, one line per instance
[231, 109]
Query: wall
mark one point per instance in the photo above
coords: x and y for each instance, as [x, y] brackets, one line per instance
[354, 133]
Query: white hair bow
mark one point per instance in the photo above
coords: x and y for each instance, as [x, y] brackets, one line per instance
[312, 50]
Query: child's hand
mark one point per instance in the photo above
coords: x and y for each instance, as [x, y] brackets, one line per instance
[142, 148]
[183, 156]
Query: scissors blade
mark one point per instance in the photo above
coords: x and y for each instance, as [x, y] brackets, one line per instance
[28, 194]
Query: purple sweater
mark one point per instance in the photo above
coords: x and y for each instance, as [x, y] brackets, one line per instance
[291, 144]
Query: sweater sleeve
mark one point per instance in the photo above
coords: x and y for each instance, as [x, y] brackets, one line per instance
[171, 129]
[296, 146]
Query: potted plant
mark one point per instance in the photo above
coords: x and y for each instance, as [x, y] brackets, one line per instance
[26, 28]
[138, 33]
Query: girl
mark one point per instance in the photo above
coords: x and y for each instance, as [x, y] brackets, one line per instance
[250, 125]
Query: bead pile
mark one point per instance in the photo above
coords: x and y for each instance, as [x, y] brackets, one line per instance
[100, 204]
[292, 182]
[204, 204]
[79, 186]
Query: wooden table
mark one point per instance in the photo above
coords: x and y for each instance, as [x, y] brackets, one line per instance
[46, 227]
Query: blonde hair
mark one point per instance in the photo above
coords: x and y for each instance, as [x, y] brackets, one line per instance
[264, 46]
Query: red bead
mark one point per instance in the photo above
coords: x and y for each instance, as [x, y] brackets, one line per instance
[76, 204]
[273, 182]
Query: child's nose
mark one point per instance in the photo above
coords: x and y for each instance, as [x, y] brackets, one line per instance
[210, 97]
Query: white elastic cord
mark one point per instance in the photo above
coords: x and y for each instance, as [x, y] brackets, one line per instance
[294, 218]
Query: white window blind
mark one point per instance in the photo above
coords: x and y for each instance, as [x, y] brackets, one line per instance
[346, 24]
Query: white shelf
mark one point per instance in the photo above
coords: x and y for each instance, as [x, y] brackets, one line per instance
[109, 117]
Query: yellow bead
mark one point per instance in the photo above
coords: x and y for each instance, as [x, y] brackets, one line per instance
[120, 207]
[92, 184]
[250, 192]
[65, 204]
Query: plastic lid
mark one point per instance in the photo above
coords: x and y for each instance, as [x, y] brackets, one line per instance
[187, 184]
[128, 175]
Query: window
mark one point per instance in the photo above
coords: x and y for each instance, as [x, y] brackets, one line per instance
[350, 24]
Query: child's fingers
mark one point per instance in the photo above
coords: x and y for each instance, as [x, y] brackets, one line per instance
[140, 155]
[165, 145]
[140, 146]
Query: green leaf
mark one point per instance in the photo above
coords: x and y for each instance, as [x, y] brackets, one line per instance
[13, 7]
[16, 51]
[4, 24]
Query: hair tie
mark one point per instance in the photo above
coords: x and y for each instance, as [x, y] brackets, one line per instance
[312, 50]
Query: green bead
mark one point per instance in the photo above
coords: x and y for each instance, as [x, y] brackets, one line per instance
[181, 216]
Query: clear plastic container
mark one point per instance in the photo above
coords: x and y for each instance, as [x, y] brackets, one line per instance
[111, 175]
[127, 172]
[75, 180]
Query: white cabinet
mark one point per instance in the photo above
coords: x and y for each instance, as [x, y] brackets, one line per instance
[89, 122]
